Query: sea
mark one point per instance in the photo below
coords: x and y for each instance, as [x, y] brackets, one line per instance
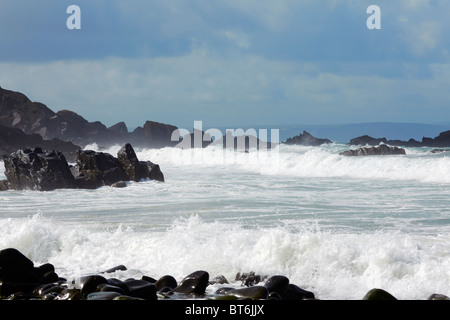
[336, 226]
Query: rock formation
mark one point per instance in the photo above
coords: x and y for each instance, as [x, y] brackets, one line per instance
[306, 139]
[374, 151]
[38, 169]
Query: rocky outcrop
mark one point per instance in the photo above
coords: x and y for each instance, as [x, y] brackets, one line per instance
[38, 169]
[441, 141]
[306, 139]
[17, 111]
[374, 151]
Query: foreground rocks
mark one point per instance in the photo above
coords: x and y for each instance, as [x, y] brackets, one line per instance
[20, 279]
[45, 170]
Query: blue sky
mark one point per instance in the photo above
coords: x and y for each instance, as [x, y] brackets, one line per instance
[230, 62]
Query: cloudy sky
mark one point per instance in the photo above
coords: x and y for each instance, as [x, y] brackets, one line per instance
[231, 62]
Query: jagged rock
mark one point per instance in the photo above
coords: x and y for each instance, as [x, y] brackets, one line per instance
[95, 169]
[375, 151]
[306, 139]
[38, 169]
[367, 140]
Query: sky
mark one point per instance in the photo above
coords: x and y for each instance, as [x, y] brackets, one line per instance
[231, 62]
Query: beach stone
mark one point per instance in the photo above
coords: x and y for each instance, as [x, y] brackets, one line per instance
[108, 288]
[219, 280]
[277, 284]
[166, 281]
[119, 184]
[437, 296]
[294, 292]
[378, 294]
[195, 282]
[141, 289]
[118, 283]
[90, 283]
[103, 295]
[114, 269]
[17, 268]
[254, 293]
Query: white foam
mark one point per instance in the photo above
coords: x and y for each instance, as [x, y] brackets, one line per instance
[332, 265]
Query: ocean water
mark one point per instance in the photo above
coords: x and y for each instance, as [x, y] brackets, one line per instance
[337, 226]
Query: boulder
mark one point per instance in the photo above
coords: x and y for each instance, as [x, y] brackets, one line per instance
[95, 169]
[253, 293]
[367, 140]
[375, 151]
[277, 284]
[38, 169]
[378, 294]
[130, 163]
[195, 282]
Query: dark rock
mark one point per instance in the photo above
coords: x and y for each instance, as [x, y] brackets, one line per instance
[4, 185]
[294, 292]
[195, 283]
[277, 284]
[153, 171]
[141, 289]
[375, 151]
[378, 294]
[439, 150]
[118, 283]
[119, 184]
[166, 281]
[120, 128]
[437, 296]
[90, 283]
[254, 293]
[306, 139]
[102, 295]
[114, 269]
[108, 288]
[96, 169]
[367, 140]
[38, 169]
[219, 280]
[249, 279]
[130, 163]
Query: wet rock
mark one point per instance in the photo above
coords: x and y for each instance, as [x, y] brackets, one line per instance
[95, 169]
[249, 279]
[195, 283]
[141, 289]
[37, 169]
[103, 295]
[378, 294]
[90, 283]
[219, 280]
[437, 296]
[294, 292]
[119, 184]
[253, 293]
[277, 284]
[374, 151]
[166, 281]
[130, 163]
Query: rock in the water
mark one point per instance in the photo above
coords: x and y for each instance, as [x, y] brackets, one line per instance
[129, 161]
[119, 184]
[195, 283]
[277, 284]
[141, 289]
[166, 281]
[254, 293]
[95, 169]
[438, 296]
[306, 139]
[375, 151]
[294, 292]
[378, 294]
[38, 169]
[103, 295]
[90, 283]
